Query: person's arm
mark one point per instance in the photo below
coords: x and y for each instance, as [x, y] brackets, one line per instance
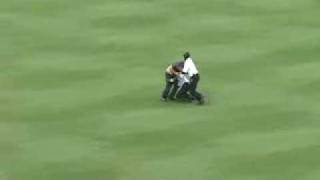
[168, 70]
[173, 72]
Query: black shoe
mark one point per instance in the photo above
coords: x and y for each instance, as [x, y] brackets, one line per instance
[201, 101]
[163, 99]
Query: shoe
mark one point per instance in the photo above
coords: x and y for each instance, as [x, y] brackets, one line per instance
[201, 101]
[163, 99]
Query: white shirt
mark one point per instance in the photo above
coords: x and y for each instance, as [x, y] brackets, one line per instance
[189, 67]
[183, 79]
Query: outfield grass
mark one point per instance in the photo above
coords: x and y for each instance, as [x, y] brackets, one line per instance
[80, 83]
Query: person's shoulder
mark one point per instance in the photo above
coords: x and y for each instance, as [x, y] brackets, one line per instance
[189, 59]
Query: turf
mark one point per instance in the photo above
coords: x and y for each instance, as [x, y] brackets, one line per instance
[80, 83]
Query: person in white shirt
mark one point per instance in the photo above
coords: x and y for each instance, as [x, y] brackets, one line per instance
[191, 70]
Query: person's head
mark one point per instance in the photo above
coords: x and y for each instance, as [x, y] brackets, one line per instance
[186, 55]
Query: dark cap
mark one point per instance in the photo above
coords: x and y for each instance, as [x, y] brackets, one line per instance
[186, 55]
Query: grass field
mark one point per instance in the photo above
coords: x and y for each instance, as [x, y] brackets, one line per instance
[80, 83]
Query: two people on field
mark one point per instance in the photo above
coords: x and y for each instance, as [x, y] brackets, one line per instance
[181, 81]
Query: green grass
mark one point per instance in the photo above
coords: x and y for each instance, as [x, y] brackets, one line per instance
[80, 83]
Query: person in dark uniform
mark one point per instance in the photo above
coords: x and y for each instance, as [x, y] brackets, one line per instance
[171, 74]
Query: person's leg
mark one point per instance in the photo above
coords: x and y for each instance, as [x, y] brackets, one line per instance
[186, 94]
[183, 93]
[174, 90]
[193, 88]
[169, 85]
[189, 97]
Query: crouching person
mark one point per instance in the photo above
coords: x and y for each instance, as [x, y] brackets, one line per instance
[171, 87]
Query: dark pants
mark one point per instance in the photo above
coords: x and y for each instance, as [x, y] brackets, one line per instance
[193, 87]
[183, 93]
[171, 86]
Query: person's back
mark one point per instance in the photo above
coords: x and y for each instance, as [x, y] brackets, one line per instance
[189, 66]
